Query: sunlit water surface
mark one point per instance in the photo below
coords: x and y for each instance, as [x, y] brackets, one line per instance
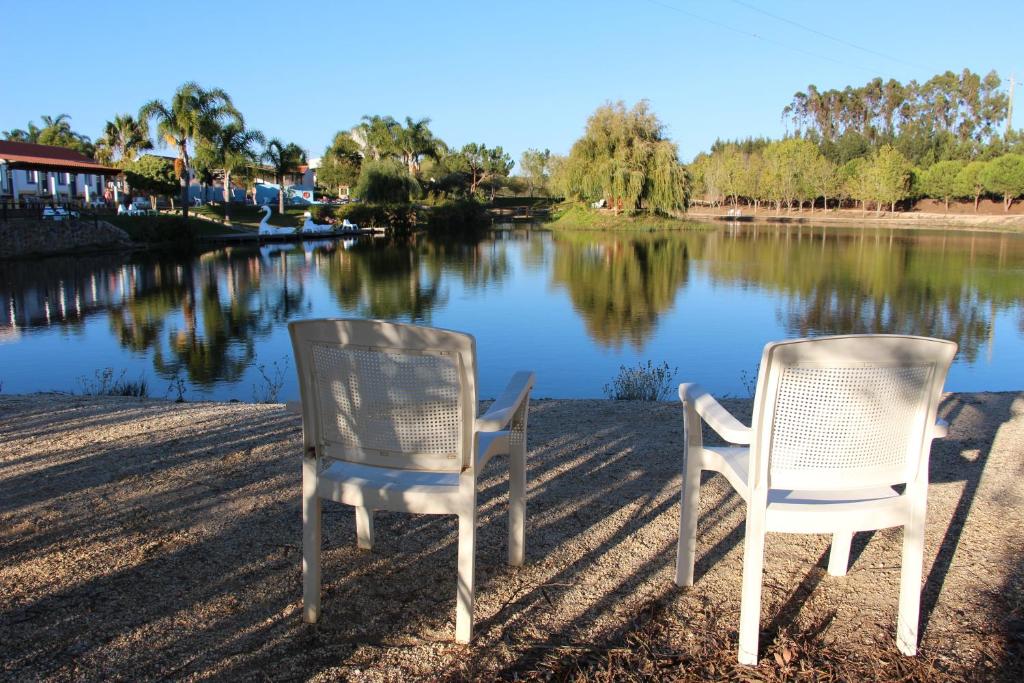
[573, 307]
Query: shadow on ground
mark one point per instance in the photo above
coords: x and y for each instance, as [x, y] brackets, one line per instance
[143, 540]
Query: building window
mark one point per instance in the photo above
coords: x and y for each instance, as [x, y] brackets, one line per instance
[31, 176]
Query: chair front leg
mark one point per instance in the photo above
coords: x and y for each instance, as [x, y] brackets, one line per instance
[467, 559]
[910, 576]
[750, 600]
[689, 497]
[517, 488]
[311, 539]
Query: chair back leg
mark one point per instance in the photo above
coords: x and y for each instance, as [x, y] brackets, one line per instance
[517, 492]
[839, 554]
[364, 528]
[311, 539]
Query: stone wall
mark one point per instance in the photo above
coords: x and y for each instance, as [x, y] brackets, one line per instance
[29, 237]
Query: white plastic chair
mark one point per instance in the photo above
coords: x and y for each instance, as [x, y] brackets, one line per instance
[389, 415]
[837, 422]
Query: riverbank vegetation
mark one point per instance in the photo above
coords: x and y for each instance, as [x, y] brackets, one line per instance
[882, 146]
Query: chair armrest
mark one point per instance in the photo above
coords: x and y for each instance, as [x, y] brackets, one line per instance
[501, 411]
[941, 429]
[717, 417]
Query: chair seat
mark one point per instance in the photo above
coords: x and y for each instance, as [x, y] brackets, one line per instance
[384, 488]
[876, 507]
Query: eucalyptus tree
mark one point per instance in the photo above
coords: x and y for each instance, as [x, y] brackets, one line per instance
[536, 166]
[283, 159]
[123, 139]
[192, 116]
[625, 158]
[231, 149]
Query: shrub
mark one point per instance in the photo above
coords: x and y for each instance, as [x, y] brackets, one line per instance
[399, 217]
[457, 217]
[385, 182]
[643, 383]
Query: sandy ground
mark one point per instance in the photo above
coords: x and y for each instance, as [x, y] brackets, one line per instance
[151, 540]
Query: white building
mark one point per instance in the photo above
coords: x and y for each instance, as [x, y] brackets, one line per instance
[31, 172]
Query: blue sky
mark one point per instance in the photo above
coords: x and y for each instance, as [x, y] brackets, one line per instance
[518, 74]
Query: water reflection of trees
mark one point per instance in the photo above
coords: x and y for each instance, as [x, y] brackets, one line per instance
[393, 281]
[876, 281]
[621, 285]
[222, 312]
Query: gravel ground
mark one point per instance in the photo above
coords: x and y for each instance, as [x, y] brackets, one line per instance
[146, 540]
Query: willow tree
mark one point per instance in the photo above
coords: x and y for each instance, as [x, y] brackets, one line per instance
[624, 158]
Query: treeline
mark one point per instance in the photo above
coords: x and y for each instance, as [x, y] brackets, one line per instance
[793, 173]
[875, 146]
[384, 160]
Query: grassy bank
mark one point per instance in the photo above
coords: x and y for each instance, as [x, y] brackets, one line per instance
[583, 218]
[165, 228]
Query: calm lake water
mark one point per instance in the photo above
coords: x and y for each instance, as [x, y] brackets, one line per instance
[572, 307]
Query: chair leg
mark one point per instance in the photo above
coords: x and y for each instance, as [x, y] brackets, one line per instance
[750, 601]
[517, 504]
[839, 554]
[465, 594]
[311, 539]
[910, 583]
[364, 528]
[689, 511]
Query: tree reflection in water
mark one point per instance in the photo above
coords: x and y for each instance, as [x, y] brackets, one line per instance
[620, 285]
[207, 319]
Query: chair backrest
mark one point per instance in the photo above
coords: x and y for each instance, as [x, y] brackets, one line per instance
[386, 394]
[847, 412]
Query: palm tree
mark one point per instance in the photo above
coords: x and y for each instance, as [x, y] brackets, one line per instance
[415, 141]
[193, 115]
[284, 159]
[230, 149]
[123, 139]
[22, 135]
[378, 136]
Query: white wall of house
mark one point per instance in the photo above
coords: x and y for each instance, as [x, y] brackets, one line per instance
[16, 183]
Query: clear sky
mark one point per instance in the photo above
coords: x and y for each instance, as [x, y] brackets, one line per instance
[518, 74]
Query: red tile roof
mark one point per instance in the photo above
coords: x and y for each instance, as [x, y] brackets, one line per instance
[48, 158]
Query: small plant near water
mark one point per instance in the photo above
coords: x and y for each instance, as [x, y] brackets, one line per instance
[268, 389]
[104, 384]
[176, 385]
[643, 383]
[749, 380]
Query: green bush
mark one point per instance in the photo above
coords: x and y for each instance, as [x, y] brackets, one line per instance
[398, 216]
[173, 231]
[386, 182]
[457, 217]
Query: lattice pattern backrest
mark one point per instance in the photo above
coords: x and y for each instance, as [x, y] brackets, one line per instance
[397, 406]
[848, 425]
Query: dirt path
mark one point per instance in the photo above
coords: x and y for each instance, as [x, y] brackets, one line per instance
[152, 540]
